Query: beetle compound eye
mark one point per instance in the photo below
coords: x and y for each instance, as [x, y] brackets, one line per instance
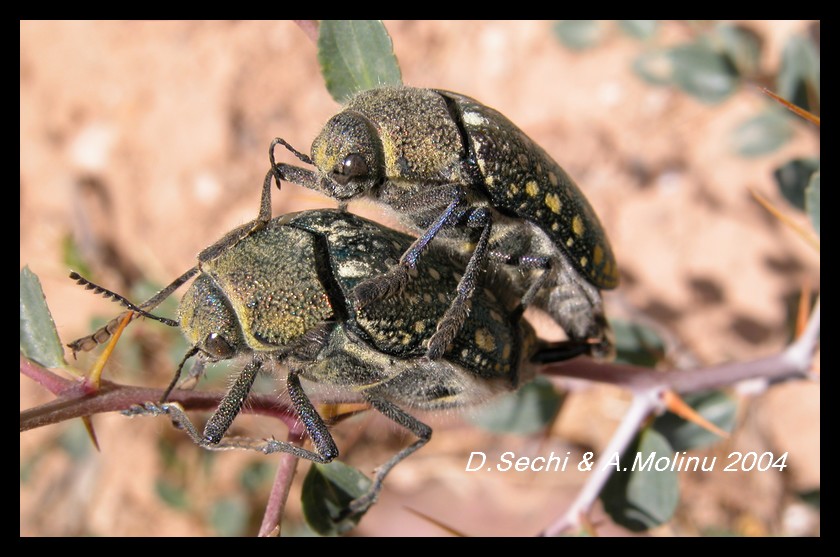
[353, 166]
[217, 346]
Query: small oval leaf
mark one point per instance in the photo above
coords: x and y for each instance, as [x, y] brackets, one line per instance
[639, 28]
[793, 178]
[742, 45]
[579, 34]
[38, 338]
[636, 344]
[526, 411]
[762, 134]
[328, 490]
[642, 498]
[229, 517]
[812, 201]
[355, 56]
[655, 66]
[799, 74]
[703, 73]
[172, 495]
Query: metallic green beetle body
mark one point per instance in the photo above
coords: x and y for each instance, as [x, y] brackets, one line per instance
[276, 292]
[447, 165]
[282, 292]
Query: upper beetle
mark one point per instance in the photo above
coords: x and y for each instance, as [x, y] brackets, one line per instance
[453, 168]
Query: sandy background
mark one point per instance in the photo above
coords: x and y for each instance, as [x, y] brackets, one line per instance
[146, 141]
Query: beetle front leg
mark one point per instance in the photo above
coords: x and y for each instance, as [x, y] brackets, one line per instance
[393, 281]
[213, 437]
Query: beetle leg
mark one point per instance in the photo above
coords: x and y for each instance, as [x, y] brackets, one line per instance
[456, 314]
[213, 436]
[392, 282]
[231, 404]
[409, 422]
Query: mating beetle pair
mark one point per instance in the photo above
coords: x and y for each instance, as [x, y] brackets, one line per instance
[344, 301]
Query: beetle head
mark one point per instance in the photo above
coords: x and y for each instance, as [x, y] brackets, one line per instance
[348, 153]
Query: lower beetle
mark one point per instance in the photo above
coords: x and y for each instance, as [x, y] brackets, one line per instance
[453, 168]
[277, 293]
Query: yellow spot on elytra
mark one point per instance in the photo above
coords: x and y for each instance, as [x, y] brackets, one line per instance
[532, 188]
[598, 255]
[553, 202]
[555, 226]
[488, 180]
[552, 177]
[484, 340]
[434, 274]
[583, 261]
[570, 242]
[513, 189]
[506, 351]
[577, 225]
[441, 298]
[419, 327]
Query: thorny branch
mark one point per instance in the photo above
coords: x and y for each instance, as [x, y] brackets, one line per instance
[77, 398]
[649, 387]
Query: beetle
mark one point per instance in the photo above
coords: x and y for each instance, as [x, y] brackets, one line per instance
[454, 169]
[277, 294]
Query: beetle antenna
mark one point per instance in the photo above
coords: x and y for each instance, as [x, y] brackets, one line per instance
[119, 299]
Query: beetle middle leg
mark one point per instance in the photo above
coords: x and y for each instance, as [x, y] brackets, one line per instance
[409, 422]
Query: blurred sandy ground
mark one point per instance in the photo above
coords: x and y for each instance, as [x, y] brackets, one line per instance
[152, 137]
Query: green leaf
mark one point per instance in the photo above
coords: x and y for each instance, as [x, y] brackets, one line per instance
[642, 499]
[75, 441]
[762, 134]
[72, 256]
[173, 495]
[741, 45]
[255, 475]
[655, 66]
[812, 201]
[715, 406]
[526, 411]
[702, 72]
[328, 490]
[793, 178]
[639, 28]
[799, 74]
[636, 344]
[579, 34]
[355, 56]
[229, 516]
[38, 338]
[811, 498]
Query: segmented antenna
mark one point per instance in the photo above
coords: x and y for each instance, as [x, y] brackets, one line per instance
[102, 334]
[120, 299]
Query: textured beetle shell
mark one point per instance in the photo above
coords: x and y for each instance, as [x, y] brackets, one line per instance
[520, 177]
[489, 344]
[433, 137]
[282, 292]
